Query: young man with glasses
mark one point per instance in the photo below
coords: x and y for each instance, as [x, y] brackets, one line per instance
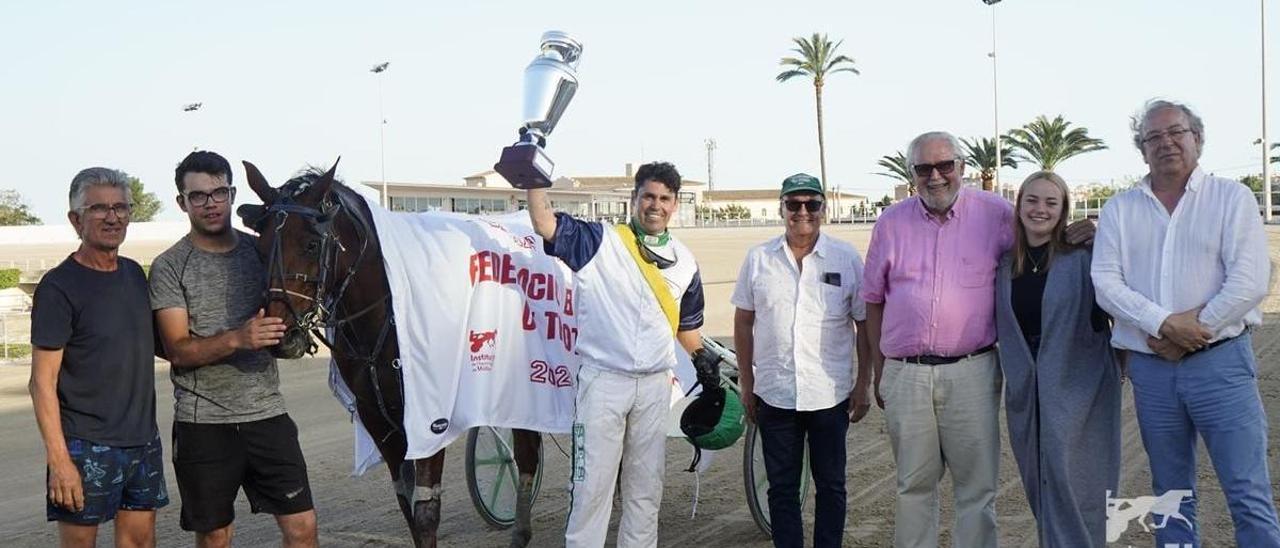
[230, 426]
[93, 376]
[1182, 264]
[930, 294]
[797, 304]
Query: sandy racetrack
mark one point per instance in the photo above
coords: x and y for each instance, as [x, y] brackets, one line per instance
[361, 512]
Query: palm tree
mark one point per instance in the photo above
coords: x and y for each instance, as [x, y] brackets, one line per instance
[1050, 142]
[981, 155]
[817, 60]
[896, 168]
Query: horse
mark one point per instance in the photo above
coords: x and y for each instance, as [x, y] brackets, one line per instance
[325, 272]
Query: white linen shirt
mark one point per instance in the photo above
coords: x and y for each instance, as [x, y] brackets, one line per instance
[804, 338]
[1211, 252]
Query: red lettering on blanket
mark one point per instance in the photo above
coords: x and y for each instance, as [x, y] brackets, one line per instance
[553, 324]
[527, 319]
[537, 289]
[541, 372]
[502, 268]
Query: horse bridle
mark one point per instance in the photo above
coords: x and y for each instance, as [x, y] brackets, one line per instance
[320, 221]
[323, 307]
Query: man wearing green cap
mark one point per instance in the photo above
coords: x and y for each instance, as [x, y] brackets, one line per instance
[638, 294]
[794, 332]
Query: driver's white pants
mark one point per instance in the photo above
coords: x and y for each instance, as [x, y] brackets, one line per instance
[618, 419]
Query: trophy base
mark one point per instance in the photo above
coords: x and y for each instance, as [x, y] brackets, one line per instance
[525, 166]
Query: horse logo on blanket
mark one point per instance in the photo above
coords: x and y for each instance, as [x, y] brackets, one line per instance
[483, 344]
[479, 339]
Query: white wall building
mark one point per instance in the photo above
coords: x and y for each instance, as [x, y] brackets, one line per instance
[763, 203]
[605, 198]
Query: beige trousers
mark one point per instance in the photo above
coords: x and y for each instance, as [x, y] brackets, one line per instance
[940, 417]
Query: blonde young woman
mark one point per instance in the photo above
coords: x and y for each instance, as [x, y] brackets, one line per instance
[1062, 383]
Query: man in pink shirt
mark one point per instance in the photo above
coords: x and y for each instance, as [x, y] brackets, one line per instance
[930, 294]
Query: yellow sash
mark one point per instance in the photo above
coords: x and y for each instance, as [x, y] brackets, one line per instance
[652, 276]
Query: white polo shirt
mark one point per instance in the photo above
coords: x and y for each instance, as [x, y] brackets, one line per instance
[804, 337]
[621, 326]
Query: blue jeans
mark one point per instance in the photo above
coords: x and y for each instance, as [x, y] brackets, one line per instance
[1213, 393]
[783, 433]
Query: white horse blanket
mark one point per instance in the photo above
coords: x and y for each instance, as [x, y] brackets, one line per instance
[486, 327]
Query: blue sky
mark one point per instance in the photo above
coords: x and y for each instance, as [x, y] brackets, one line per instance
[286, 84]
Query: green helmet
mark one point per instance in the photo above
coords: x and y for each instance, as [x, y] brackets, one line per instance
[714, 420]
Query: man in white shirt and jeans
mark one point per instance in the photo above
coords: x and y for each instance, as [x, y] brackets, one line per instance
[1181, 262]
[797, 304]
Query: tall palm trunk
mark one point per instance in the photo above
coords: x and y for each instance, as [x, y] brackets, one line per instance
[822, 145]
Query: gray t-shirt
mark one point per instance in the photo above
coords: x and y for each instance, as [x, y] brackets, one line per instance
[220, 291]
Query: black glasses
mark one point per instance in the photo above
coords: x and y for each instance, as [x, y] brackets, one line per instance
[1174, 133]
[944, 168]
[812, 206]
[100, 211]
[218, 195]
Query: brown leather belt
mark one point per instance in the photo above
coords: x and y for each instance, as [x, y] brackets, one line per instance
[944, 360]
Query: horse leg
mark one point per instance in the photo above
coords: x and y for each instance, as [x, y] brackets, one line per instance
[527, 446]
[402, 482]
[425, 499]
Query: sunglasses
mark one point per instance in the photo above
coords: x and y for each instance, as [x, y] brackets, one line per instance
[944, 168]
[812, 206]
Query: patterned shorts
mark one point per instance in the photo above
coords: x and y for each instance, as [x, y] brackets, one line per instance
[114, 478]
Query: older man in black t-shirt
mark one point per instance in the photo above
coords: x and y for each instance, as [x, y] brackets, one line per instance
[93, 376]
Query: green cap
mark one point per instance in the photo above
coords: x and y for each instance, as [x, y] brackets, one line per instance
[801, 182]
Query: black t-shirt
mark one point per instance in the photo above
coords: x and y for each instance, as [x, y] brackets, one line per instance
[1028, 295]
[1028, 291]
[102, 322]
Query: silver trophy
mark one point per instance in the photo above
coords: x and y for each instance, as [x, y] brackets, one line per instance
[549, 84]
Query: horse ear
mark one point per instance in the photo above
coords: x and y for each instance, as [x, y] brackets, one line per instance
[259, 183]
[322, 186]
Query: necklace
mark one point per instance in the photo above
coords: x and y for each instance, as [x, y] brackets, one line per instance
[1035, 265]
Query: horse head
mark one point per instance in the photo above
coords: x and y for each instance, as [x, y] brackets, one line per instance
[299, 245]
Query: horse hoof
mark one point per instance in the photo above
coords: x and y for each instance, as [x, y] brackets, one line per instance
[520, 539]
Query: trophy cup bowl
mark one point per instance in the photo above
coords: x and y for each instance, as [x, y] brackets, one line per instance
[550, 81]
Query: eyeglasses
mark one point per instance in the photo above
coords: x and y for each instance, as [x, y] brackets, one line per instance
[1174, 133]
[944, 168]
[218, 195]
[100, 211]
[812, 206]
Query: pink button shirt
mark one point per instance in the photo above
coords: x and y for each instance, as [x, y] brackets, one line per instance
[936, 279]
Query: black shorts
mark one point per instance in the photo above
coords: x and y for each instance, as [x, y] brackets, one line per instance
[212, 462]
